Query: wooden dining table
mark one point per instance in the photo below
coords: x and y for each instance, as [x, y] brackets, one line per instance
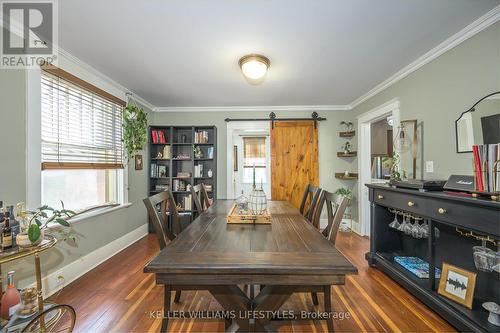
[284, 256]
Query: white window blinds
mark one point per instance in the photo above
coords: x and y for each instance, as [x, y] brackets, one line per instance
[80, 129]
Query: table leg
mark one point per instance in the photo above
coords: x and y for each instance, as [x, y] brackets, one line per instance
[38, 274]
[327, 292]
[167, 292]
[232, 298]
[271, 298]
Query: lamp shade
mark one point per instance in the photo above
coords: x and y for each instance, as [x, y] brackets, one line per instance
[254, 66]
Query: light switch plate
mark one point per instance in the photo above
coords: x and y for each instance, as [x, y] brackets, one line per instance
[429, 166]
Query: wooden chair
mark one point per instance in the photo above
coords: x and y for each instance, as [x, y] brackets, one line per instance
[335, 207]
[311, 196]
[200, 198]
[159, 207]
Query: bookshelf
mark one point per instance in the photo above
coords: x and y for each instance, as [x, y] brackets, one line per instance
[174, 164]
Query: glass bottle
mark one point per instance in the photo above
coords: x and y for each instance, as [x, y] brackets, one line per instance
[11, 297]
[6, 233]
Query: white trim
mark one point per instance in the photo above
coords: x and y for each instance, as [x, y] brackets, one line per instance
[231, 127]
[98, 212]
[51, 283]
[472, 29]
[254, 108]
[105, 78]
[391, 108]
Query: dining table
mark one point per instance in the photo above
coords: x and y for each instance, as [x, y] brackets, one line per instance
[282, 257]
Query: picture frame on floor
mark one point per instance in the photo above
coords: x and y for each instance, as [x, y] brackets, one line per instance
[457, 284]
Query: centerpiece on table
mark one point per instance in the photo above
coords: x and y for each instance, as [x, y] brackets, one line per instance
[257, 199]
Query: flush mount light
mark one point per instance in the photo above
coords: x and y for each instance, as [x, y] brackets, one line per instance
[254, 67]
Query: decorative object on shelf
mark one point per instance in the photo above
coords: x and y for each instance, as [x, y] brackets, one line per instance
[395, 174]
[138, 162]
[346, 173]
[210, 173]
[34, 223]
[346, 147]
[166, 152]
[135, 128]
[183, 174]
[162, 171]
[494, 310]
[198, 153]
[29, 304]
[402, 141]
[183, 138]
[416, 266]
[457, 284]
[484, 258]
[349, 176]
[159, 156]
[188, 187]
[348, 124]
[478, 125]
[183, 156]
[486, 169]
[10, 298]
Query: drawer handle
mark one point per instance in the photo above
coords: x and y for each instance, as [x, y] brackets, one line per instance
[380, 196]
[441, 210]
[411, 204]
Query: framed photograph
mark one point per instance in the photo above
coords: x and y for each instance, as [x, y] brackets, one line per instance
[138, 162]
[457, 284]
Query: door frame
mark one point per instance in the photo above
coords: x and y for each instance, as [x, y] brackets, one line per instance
[390, 108]
[233, 126]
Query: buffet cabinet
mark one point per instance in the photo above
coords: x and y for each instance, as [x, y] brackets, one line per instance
[455, 225]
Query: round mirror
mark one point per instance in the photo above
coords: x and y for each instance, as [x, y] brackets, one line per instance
[480, 124]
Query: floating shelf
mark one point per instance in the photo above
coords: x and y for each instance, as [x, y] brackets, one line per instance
[351, 176]
[349, 154]
[349, 134]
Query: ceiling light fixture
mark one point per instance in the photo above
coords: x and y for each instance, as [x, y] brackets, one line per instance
[254, 67]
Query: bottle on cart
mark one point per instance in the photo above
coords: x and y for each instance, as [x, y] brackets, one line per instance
[6, 233]
[11, 297]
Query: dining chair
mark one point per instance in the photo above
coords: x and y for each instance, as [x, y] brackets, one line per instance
[200, 198]
[309, 201]
[159, 207]
[335, 207]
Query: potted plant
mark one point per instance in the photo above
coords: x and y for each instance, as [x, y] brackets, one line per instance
[348, 124]
[34, 223]
[344, 192]
[135, 128]
[347, 193]
[346, 147]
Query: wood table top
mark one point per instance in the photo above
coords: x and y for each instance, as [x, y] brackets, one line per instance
[289, 245]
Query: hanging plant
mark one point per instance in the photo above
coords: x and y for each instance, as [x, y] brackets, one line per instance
[135, 129]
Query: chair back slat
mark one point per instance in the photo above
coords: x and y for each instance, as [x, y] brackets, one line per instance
[309, 201]
[336, 207]
[200, 197]
[159, 216]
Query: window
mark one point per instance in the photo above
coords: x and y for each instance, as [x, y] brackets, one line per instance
[82, 153]
[254, 153]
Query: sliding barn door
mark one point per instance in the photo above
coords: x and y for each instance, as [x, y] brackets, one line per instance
[294, 159]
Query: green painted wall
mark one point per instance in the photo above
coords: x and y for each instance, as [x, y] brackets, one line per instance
[439, 92]
[93, 233]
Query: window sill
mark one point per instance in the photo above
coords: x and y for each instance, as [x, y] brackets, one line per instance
[98, 212]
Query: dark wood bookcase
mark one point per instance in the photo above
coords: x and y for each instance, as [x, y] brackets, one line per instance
[181, 141]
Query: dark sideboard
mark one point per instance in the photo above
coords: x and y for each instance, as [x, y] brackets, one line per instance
[450, 214]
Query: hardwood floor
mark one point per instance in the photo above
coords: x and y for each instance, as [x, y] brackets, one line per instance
[117, 296]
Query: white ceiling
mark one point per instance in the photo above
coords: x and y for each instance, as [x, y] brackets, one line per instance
[184, 53]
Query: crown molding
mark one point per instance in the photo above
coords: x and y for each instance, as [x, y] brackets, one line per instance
[255, 108]
[472, 29]
[103, 77]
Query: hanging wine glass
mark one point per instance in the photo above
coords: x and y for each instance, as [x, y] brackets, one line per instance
[415, 230]
[395, 223]
[425, 229]
[408, 226]
[403, 225]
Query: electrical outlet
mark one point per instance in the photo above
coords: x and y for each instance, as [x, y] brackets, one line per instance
[429, 166]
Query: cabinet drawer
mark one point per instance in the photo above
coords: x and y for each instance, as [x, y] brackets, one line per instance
[406, 202]
[480, 219]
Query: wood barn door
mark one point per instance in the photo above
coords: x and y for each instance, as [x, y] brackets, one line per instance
[294, 159]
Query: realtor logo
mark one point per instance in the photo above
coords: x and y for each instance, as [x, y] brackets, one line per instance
[29, 34]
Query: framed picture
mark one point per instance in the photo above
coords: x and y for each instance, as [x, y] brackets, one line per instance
[138, 162]
[457, 284]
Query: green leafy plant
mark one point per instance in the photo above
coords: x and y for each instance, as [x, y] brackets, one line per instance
[395, 174]
[348, 124]
[344, 192]
[135, 128]
[346, 146]
[40, 218]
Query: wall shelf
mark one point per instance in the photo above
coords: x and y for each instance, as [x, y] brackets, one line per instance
[349, 134]
[351, 176]
[349, 154]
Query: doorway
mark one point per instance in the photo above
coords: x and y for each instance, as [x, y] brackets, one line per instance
[248, 145]
[366, 165]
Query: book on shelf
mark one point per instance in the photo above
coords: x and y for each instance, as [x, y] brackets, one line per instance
[198, 170]
[484, 159]
[187, 203]
[154, 136]
[416, 266]
[178, 185]
[201, 137]
[158, 171]
[158, 136]
[162, 138]
[210, 152]
[208, 187]
[161, 187]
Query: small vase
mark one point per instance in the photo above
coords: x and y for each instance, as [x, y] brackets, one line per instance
[22, 239]
[210, 173]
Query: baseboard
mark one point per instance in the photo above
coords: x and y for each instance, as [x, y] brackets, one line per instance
[53, 282]
[324, 222]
